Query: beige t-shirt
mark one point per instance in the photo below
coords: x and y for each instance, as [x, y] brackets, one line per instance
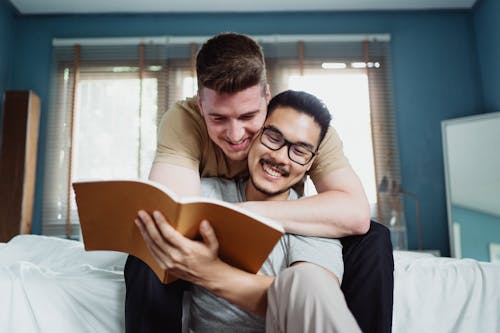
[183, 141]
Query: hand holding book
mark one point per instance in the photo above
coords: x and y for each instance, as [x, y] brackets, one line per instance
[191, 260]
[107, 210]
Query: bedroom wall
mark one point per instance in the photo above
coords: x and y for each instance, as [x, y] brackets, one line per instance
[7, 24]
[431, 83]
[487, 27]
[480, 228]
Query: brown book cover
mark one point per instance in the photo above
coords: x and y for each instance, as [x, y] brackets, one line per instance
[107, 210]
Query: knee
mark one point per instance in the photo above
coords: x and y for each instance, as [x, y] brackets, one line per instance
[306, 276]
[300, 288]
[378, 236]
[380, 231]
[302, 271]
[378, 247]
[369, 253]
[376, 242]
[379, 241]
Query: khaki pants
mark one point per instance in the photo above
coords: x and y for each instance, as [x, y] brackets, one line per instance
[305, 298]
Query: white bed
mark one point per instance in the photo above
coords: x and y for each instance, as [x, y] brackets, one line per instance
[434, 294]
[53, 285]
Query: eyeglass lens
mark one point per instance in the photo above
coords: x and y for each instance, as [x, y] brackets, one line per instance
[274, 140]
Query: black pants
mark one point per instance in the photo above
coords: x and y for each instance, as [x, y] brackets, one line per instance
[368, 282]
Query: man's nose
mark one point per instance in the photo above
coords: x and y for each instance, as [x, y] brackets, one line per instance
[235, 132]
[281, 155]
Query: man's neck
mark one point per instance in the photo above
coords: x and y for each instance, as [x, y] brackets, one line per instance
[253, 194]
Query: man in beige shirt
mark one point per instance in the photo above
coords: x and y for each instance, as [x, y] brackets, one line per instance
[211, 135]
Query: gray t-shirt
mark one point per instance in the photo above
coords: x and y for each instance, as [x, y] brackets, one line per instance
[206, 312]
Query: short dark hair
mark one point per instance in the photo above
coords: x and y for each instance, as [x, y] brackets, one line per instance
[306, 103]
[230, 62]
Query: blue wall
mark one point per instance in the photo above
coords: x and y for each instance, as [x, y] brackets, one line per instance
[487, 27]
[7, 24]
[435, 73]
[480, 230]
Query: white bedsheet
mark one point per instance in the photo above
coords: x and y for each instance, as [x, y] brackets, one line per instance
[52, 285]
[434, 294]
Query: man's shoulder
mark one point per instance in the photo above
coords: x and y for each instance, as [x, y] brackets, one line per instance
[186, 107]
[182, 117]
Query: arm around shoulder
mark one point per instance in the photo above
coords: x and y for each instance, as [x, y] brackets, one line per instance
[182, 180]
[339, 209]
[335, 179]
[349, 205]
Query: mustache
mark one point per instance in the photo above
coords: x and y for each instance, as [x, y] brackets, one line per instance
[275, 165]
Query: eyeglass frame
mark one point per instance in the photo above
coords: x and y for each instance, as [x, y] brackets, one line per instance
[286, 143]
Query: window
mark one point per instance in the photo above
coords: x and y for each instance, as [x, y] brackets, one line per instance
[107, 99]
[346, 94]
[115, 126]
[105, 106]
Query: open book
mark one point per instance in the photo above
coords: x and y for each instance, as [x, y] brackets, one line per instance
[107, 210]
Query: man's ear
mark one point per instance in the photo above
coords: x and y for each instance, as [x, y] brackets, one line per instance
[268, 93]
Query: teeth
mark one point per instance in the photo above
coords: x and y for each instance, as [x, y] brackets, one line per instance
[270, 171]
[237, 143]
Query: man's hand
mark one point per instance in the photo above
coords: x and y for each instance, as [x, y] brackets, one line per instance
[193, 261]
[198, 263]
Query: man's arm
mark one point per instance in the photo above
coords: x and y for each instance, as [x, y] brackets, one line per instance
[339, 209]
[183, 181]
[198, 262]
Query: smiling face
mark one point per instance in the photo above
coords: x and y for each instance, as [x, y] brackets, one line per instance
[234, 119]
[272, 173]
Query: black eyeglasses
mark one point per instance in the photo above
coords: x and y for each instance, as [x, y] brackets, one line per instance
[297, 152]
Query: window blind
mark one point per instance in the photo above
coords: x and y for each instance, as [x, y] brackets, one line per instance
[77, 73]
[164, 67]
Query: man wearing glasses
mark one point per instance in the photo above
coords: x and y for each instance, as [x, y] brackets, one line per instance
[298, 288]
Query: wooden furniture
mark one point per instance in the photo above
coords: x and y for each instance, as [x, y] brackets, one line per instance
[18, 150]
